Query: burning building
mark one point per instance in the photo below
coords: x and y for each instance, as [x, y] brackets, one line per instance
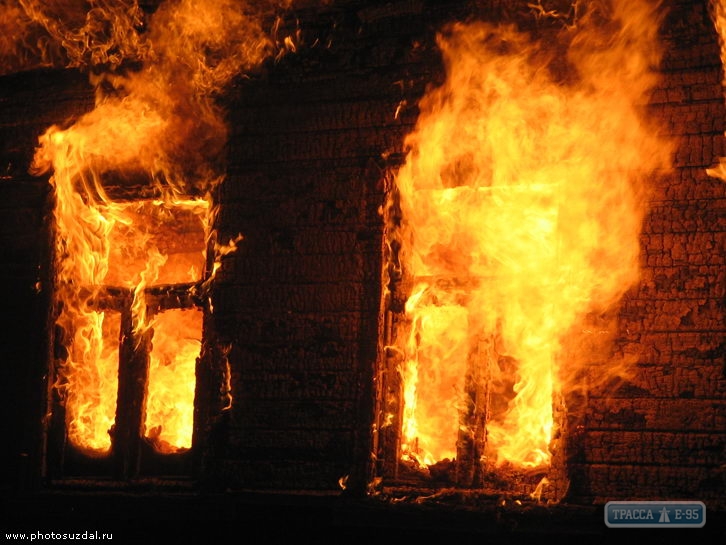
[419, 252]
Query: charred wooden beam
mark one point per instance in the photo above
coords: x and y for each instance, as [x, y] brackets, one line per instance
[132, 386]
[170, 296]
[158, 298]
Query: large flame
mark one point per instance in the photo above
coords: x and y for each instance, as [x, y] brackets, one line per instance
[155, 119]
[134, 246]
[522, 198]
[170, 401]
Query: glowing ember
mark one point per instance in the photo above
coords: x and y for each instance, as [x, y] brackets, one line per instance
[522, 200]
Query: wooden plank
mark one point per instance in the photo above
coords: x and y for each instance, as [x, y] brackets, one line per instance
[285, 414]
[656, 448]
[656, 414]
[294, 117]
[685, 216]
[684, 376]
[600, 483]
[273, 328]
[277, 474]
[332, 297]
[307, 268]
[261, 149]
[665, 381]
[685, 249]
[130, 402]
[295, 357]
[308, 384]
[308, 446]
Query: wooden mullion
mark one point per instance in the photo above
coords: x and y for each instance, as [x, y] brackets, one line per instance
[390, 413]
[56, 437]
[210, 376]
[130, 405]
[466, 444]
[175, 296]
[471, 441]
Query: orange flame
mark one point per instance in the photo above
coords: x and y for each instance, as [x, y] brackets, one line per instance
[134, 246]
[69, 33]
[170, 401]
[159, 122]
[522, 201]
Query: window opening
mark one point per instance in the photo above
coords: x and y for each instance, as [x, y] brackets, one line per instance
[129, 283]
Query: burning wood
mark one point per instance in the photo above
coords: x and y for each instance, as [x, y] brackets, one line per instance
[502, 299]
[121, 265]
[521, 203]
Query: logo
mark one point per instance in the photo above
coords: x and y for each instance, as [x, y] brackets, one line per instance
[655, 514]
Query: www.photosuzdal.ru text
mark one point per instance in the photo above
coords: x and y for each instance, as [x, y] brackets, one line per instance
[51, 536]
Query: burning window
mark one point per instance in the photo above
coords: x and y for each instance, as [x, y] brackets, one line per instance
[131, 267]
[130, 302]
[514, 232]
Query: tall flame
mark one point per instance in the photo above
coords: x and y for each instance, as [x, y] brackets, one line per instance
[522, 198]
[155, 114]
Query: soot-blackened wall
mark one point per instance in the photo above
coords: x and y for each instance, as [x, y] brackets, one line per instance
[314, 140]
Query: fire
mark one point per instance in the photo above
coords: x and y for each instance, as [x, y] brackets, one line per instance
[522, 198]
[125, 247]
[156, 125]
[170, 401]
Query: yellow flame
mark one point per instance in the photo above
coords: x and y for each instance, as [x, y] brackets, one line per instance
[158, 123]
[172, 371]
[522, 201]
